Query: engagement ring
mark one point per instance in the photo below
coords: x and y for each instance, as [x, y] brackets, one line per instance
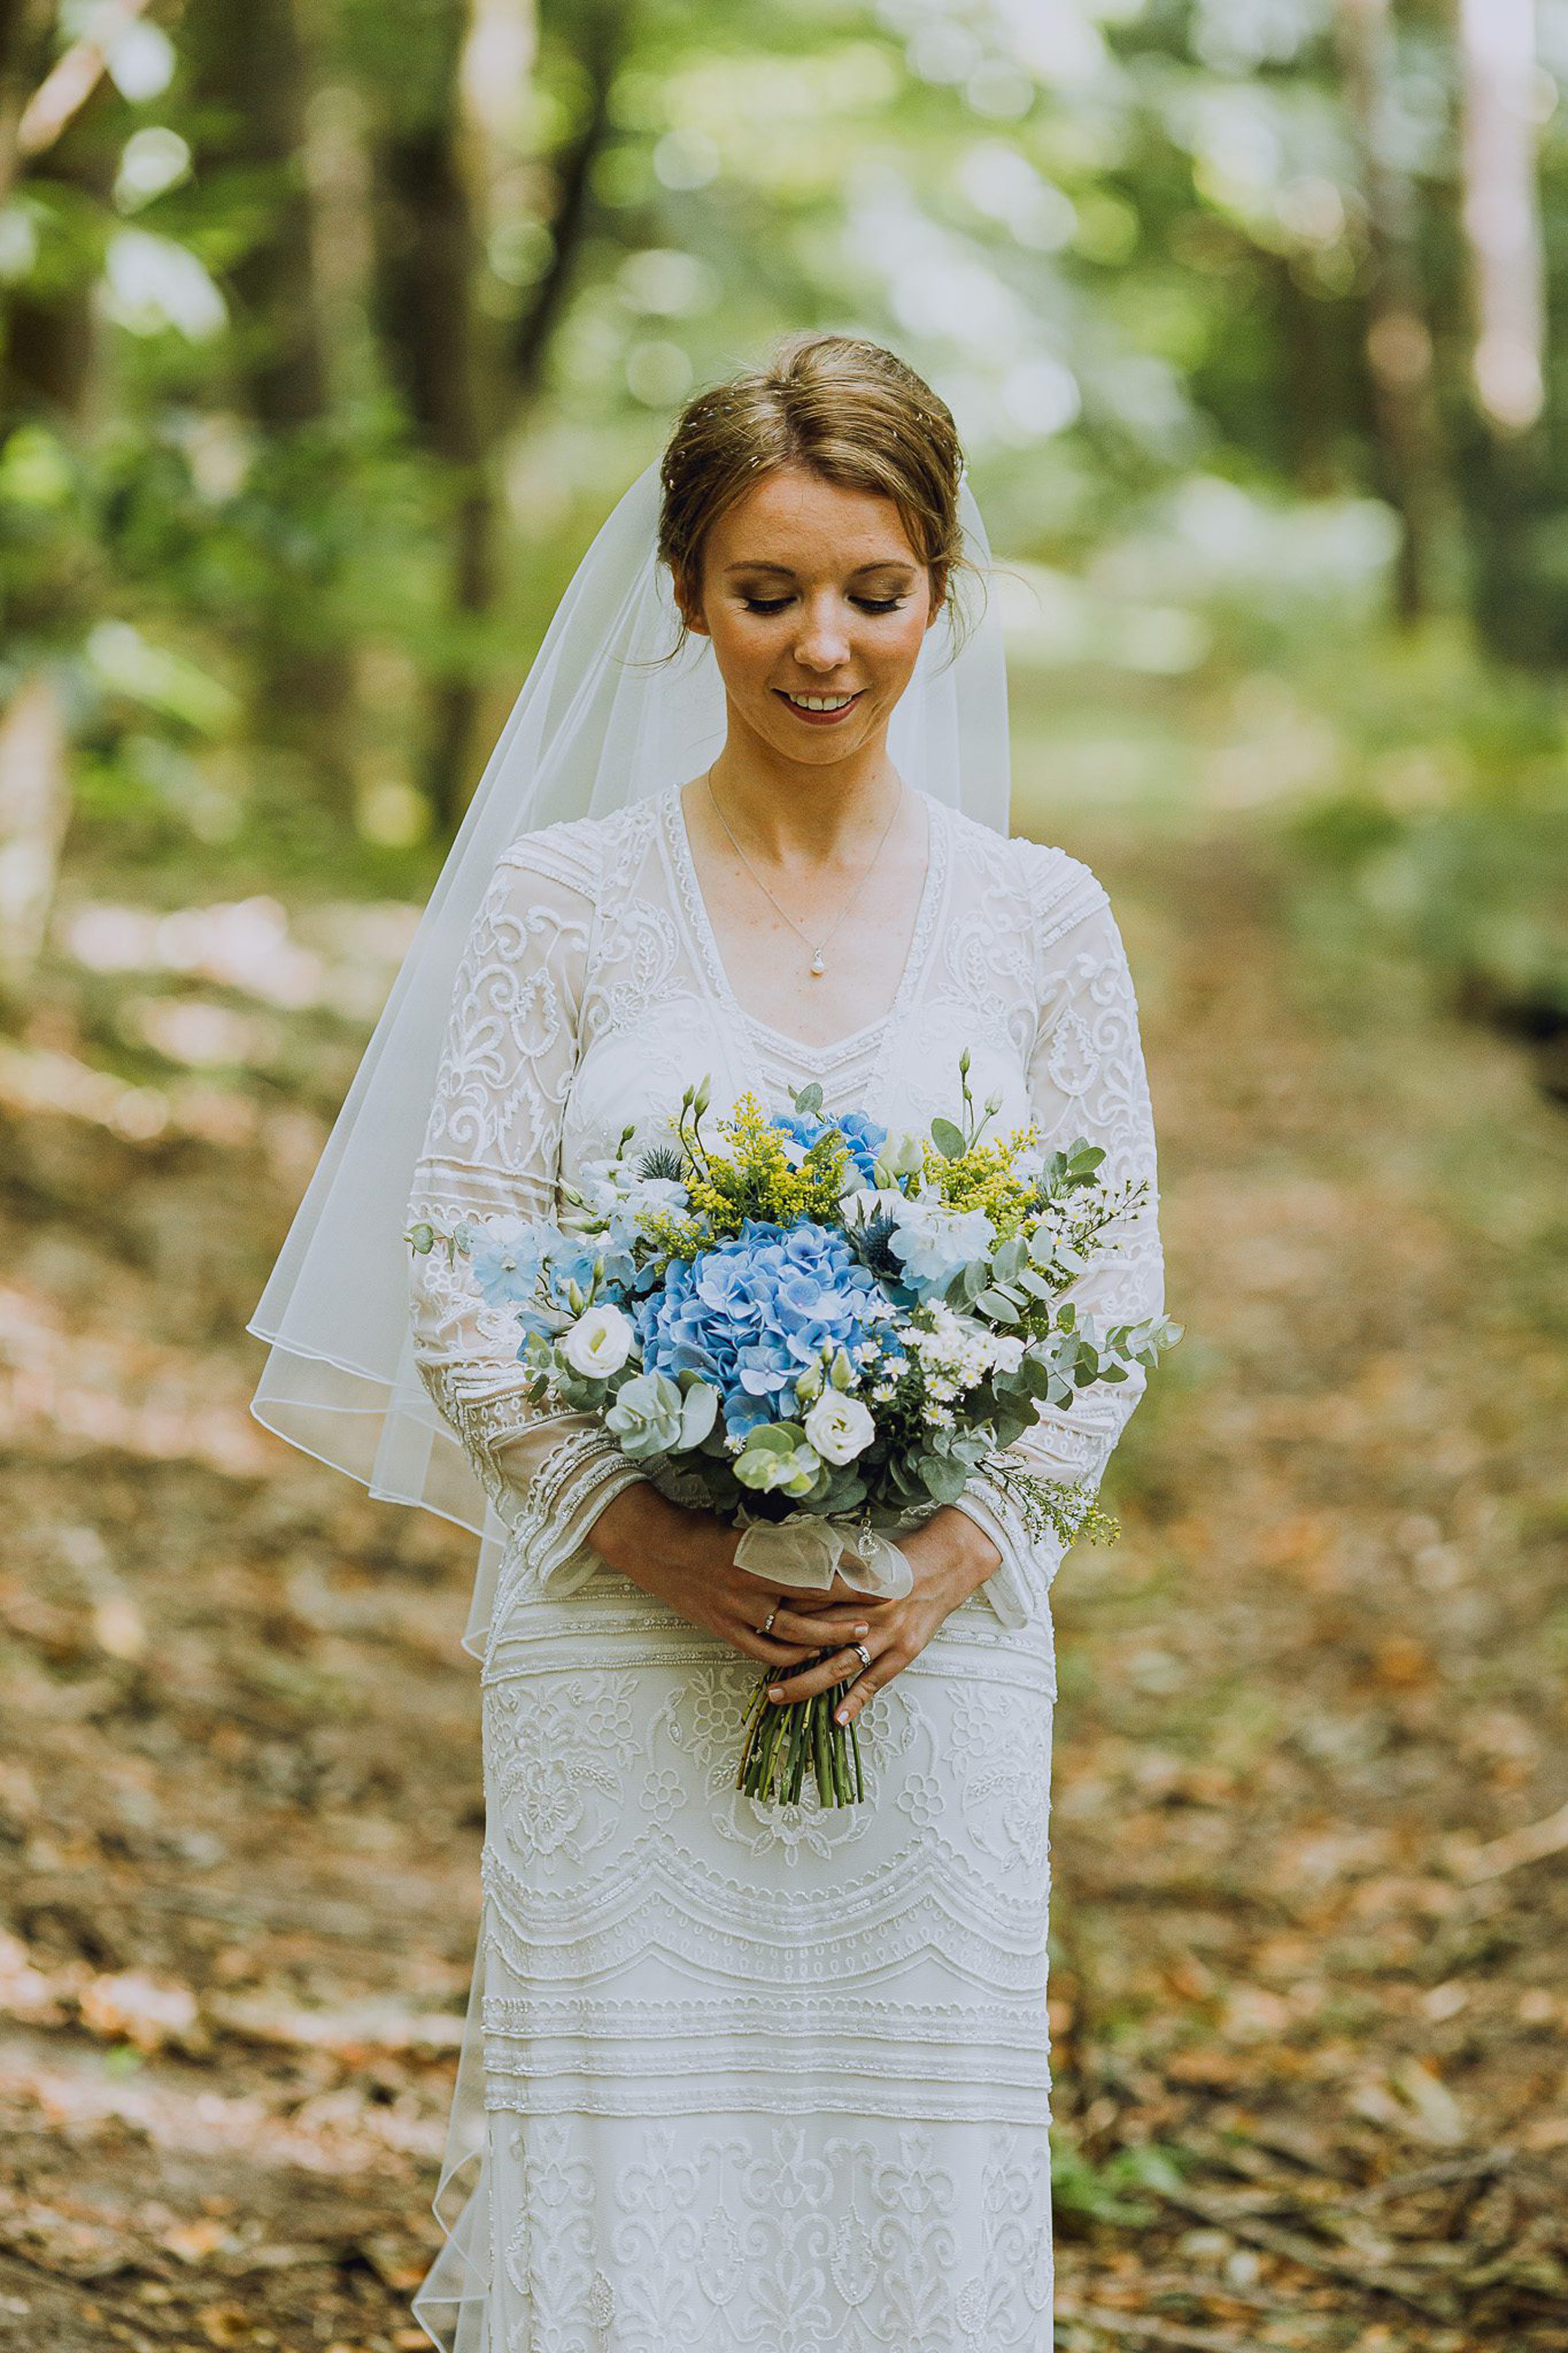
[861, 1653]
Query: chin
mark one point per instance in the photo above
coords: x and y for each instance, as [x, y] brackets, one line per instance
[817, 746]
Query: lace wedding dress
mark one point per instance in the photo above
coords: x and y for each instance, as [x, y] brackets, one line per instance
[755, 2078]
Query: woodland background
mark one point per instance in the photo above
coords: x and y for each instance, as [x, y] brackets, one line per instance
[328, 331]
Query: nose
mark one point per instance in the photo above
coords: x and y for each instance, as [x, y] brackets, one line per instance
[822, 643]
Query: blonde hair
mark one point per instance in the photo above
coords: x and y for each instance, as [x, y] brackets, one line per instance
[841, 407]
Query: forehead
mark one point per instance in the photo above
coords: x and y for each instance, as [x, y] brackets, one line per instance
[794, 519]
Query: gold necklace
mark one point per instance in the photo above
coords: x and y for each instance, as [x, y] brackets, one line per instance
[817, 946]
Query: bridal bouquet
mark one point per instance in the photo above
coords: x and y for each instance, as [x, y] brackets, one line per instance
[829, 1329]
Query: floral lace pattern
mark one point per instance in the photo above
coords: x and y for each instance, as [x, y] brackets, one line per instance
[777, 2236]
[754, 2077]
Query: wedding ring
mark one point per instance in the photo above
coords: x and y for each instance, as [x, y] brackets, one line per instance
[767, 1625]
[861, 1653]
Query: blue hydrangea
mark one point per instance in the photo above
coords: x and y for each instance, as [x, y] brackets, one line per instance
[752, 1315]
[858, 1129]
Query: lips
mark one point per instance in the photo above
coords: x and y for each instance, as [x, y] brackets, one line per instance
[820, 718]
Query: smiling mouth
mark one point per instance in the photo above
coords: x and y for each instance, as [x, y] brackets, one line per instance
[819, 706]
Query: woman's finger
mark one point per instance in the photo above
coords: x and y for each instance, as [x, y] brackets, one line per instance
[811, 1680]
[819, 1627]
[880, 1670]
[771, 1653]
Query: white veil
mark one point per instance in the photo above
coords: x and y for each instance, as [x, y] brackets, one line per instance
[599, 723]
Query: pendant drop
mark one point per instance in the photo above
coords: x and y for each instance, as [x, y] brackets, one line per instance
[817, 963]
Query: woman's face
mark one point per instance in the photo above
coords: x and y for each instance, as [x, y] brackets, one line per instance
[812, 593]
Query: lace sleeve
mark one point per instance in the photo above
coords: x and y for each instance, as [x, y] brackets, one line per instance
[492, 1144]
[1087, 1077]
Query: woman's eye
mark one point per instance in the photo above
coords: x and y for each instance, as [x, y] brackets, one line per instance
[866, 603]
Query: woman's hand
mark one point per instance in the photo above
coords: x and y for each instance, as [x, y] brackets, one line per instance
[688, 1559]
[951, 1557]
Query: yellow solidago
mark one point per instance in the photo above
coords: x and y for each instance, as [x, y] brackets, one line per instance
[981, 1179]
[752, 1178]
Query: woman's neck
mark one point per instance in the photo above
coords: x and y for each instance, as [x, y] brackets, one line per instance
[794, 814]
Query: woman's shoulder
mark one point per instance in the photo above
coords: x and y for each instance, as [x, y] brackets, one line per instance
[1055, 888]
[575, 853]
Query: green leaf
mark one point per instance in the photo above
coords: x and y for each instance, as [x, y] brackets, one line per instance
[997, 1305]
[945, 1479]
[947, 1139]
[698, 1414]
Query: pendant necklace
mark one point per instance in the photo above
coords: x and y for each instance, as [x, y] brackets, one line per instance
[817, 946]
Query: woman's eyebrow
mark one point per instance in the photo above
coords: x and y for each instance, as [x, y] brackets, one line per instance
[882, 563]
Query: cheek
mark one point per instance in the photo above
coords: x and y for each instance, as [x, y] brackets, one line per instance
[899, 649]
[740, 647]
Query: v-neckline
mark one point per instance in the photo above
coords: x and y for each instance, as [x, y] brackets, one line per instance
[678, 840]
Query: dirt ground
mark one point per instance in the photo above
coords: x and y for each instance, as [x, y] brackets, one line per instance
[1310, 1842]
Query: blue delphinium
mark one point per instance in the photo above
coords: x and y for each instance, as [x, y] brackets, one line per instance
[752, 1315]
[858, 1129]
[506, 1256]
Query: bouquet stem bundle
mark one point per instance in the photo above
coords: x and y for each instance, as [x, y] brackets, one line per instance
[780, 1742]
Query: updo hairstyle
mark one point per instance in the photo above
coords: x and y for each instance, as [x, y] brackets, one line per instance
[841, 407]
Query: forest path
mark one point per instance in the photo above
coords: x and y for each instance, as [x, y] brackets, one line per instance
[1308, 1998]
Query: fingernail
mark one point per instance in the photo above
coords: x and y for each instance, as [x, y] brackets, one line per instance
[775, 1691]
[862, 1629]
[842, 1716]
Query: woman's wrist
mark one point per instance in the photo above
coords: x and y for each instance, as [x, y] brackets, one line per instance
[639, 1530]
[962, 1553]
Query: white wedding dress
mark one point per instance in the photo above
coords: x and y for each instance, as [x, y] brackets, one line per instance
[752, 2078]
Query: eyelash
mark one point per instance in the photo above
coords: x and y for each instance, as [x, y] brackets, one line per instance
[866, 603]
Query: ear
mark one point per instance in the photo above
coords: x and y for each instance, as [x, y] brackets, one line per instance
[937, 574]
[691, 611]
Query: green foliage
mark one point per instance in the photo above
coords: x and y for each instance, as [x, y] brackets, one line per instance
[1136, 260]
[1108, 2192]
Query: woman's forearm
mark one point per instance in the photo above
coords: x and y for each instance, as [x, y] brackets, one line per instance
[639, 1531]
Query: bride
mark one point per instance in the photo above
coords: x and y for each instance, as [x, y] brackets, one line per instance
[737, 2076]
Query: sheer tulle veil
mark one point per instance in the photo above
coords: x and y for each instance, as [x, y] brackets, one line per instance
[600, 722]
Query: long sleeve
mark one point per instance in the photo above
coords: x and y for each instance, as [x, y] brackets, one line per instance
[492, 1145]
[1087, 1077]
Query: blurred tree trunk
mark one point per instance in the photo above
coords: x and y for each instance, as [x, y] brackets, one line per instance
[427, 257]
[442, 165]
[1398, 339]
[1310, 383]
[25, 26]
[253, 61]
[48, 371]
[1502, 210]
[34, 809]
[1506, 478]
[600, 33]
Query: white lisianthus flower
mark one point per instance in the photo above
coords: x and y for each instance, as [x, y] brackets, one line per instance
[839, 1427]
[599, 1342]
[1006, 1352]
